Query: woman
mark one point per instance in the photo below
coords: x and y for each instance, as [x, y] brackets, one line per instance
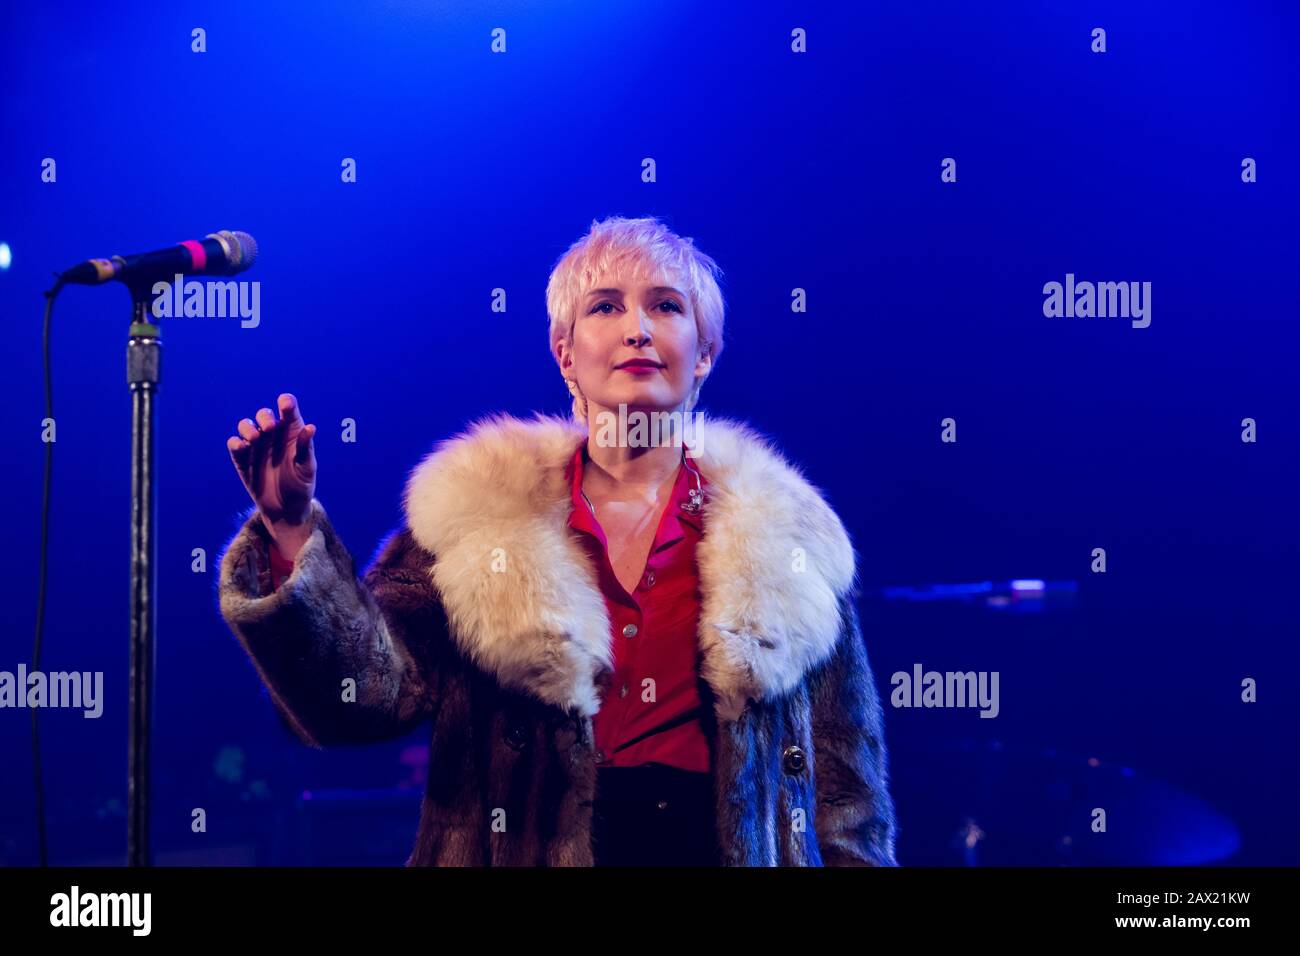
[632, 651]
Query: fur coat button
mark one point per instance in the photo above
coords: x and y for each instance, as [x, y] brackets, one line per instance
[793, 759]
[516, 736]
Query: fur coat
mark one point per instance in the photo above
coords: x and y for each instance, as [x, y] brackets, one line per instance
[481, 613]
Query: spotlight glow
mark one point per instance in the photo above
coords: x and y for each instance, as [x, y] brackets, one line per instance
[6, 256]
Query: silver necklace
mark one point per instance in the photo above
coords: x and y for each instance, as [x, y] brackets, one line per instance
[695, 494]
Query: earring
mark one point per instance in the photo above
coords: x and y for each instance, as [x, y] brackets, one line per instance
[577, 393]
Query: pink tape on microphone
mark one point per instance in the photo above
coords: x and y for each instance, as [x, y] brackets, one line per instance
[198, 255]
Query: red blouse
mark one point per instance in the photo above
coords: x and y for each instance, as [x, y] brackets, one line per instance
[654, 633]
[281, 567]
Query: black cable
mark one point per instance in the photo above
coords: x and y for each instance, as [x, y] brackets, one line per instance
[44, 566]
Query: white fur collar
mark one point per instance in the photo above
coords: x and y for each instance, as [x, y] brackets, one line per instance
[522, 597]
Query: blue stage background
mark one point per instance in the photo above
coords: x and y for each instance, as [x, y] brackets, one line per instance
[819, 171]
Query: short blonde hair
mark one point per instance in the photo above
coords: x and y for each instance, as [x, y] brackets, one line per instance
[635, 247]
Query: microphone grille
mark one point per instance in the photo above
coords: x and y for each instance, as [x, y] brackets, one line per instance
[240, 248]
[248, 249]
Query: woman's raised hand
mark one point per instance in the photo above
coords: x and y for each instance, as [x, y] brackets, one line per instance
[276, 460]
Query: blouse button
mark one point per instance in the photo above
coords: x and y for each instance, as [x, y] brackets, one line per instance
[629, 630]
[649, 579]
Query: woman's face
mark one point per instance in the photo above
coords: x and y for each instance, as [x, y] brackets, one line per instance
[634, 343]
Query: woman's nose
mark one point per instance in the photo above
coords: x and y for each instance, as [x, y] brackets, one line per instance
[639, 333]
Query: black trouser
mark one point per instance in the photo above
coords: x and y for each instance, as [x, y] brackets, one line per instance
[654, 815]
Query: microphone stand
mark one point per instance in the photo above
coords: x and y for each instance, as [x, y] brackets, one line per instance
[219, 253]
[143, 374]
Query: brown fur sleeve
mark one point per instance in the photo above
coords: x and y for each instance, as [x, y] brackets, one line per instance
[323, 628]
[855, 813]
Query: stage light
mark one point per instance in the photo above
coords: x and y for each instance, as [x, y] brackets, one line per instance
[6, 256]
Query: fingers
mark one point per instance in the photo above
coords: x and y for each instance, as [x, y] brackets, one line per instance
[278, 432]
[290, 414]
[258, 435]
[304, 451]
[264, 436]
[241, 453]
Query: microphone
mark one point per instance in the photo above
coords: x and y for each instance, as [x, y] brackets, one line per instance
[218, 254]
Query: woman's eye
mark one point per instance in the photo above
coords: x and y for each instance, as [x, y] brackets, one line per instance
[604, 307]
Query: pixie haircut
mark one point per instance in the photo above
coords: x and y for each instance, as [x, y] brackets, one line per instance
[636, 248]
